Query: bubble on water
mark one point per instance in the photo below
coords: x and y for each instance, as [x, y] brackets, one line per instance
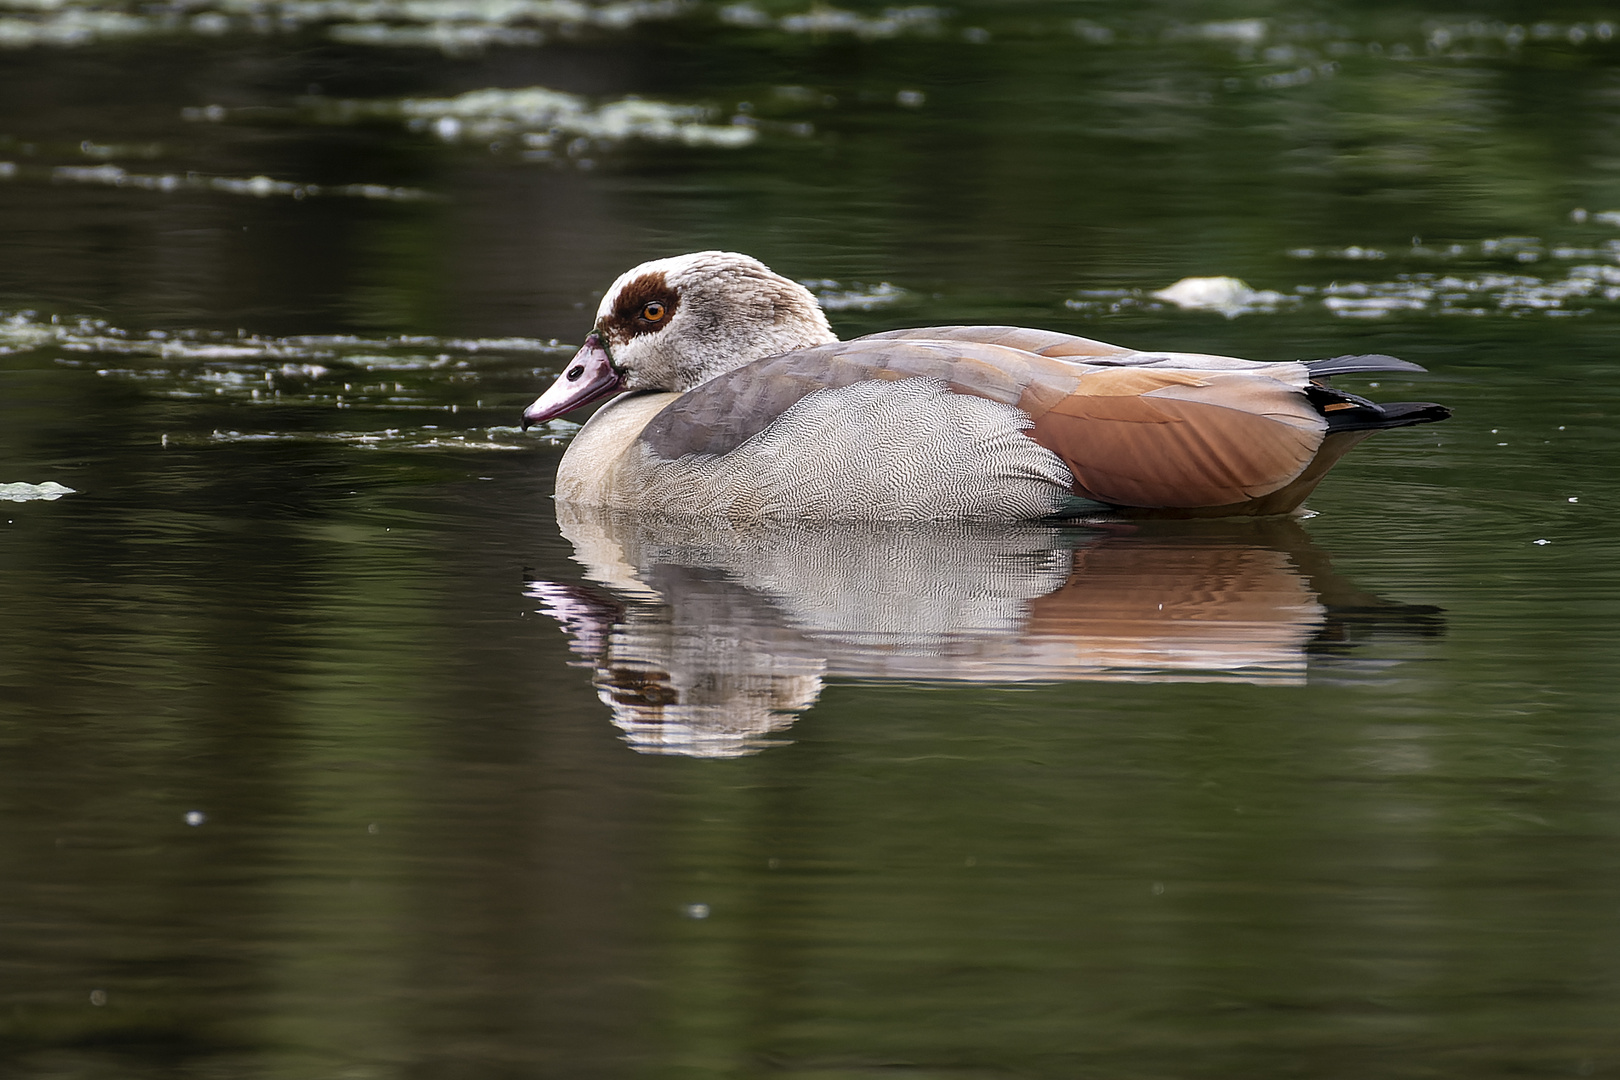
[697, 911]
[195, 817]
[49, 491]
[1542, 543]
[98, 997]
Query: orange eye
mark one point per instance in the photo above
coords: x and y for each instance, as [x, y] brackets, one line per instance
[653, 312]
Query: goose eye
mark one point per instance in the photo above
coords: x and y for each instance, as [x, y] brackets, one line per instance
[653, 312]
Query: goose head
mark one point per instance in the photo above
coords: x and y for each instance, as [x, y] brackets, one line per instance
[672, 324]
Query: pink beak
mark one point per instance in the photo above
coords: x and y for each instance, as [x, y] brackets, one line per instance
[589, 376]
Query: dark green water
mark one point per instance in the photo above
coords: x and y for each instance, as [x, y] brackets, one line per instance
[475, 793]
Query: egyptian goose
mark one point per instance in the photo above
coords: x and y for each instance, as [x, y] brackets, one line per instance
[742, 403]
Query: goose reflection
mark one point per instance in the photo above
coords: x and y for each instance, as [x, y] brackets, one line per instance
[709, 638]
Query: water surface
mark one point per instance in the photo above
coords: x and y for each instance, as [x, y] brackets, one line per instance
[332, 749]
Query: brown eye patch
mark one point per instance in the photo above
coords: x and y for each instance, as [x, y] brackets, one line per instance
[644, 304]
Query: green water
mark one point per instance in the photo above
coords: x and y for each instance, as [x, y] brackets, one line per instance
[328, 751]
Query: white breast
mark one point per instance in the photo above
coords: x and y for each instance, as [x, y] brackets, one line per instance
[593, 471]
[909, 450]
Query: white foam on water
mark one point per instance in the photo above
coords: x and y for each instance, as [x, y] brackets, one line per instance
[429, 379]
[1582, 290]
[25, 330]
[1575, 278]
[20, 333]
[451, 26]
[893, 22]
[110, 175]
[1352, 252]
[49, 491]
[834, 297]
[1372, 307]
[506, 344]
[542, 121]
[453, 39]
[77, 26]
[1579, 292]
[424, 437]
[1228, 295]
[1302, 51]
[1235, 31]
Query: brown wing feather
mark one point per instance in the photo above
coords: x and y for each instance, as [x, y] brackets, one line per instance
[1079, 350]
[1157, 438]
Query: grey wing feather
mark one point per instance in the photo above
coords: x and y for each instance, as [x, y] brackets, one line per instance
[719, 415]
[1354, 365]
[1074, 349]
[1044, 342]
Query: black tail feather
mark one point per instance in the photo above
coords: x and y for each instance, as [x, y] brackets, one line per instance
[1358, 364]
[1407, 413]
[1350, 412]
